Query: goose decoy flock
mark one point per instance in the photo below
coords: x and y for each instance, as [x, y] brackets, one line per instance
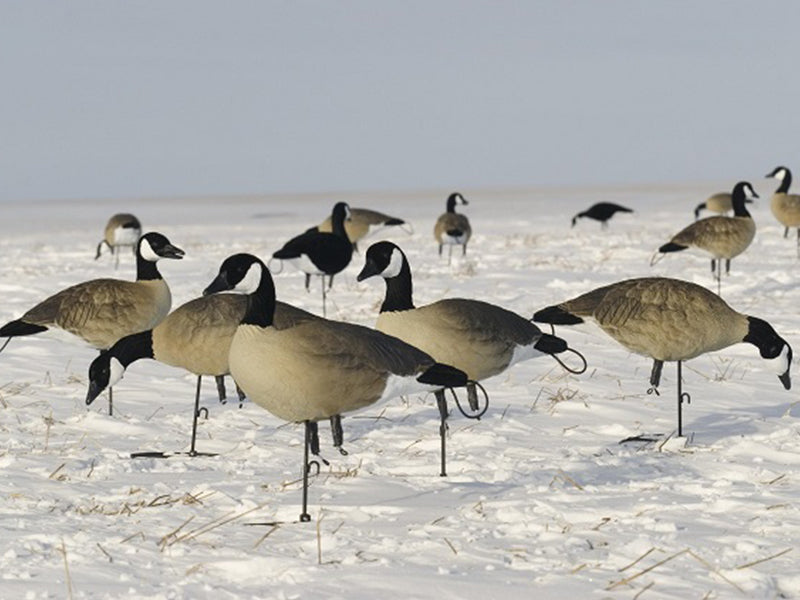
[452, 228]
[602, 211]
[122, 230]
[785, 206]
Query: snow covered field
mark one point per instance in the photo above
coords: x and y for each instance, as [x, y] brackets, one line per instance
[542, 501]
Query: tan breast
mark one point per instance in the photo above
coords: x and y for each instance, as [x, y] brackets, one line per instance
[786, 208]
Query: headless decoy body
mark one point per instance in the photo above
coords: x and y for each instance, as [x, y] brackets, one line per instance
[722, 237]
[452, 228]
[670, 320]
[321, 253]
[318, 369]
[602, 211]
[785, 206]
[479, 338]
[101, 311]
[720, 203]
[362, 222]
[122, 230]
[195, 336]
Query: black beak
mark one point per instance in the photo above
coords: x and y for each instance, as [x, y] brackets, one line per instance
[786, 380]
[170, 251]
[94, 392]
[369, 270]
[220, 284]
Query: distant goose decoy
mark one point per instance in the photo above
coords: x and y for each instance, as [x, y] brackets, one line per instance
[195, 336]
[321, 253]
[602, 211]
[122, 229]
[722, 237]
[452, 228]
[101, 311]
[786, 206]
[479, 338]
[362, 222]
[720, 203]
[318, 369]
[670, 320]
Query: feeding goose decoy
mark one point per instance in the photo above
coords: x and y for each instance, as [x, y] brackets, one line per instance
[317, 369]
[479, 338]
[362, 222]
[785, 206]
[101, 311]
[195, 336]
[720, 203]
[452, 228]
[122, 230]
[602, 211]
[670, 320]
[722, 237]
[321, 253]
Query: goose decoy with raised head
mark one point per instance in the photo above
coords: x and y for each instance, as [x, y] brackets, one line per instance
[670, 320]
[321, 253]
[195, 336]
[602, 211]
[122, 229]
[317, 369]
[362, 222]
[722, 237]
[101, 311]
[785, 206]
[479, 338]
[452, 228]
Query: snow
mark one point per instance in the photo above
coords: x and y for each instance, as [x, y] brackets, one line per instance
[541, 499]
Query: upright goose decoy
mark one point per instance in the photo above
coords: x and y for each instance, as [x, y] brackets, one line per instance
[362, 222]
[602, 211]
[722, 237]
[785, 206]
[318, 369]
[452, 228]
[670, 320]
[479, 338]
[122, 229]
[321, 253]
[101, 311]
[195, 336]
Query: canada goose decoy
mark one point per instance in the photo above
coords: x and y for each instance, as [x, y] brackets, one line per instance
[195, 336]
[602, 211]
[101, 311]
[722, 237]
[122, 229]
[452, 228]
[318, 369]
[362, 222]
[321, 253]
[720, 203]
[670, 320]
[479, 338]
[785, 206]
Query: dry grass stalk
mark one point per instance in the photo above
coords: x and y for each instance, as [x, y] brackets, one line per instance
[319, 537]
[272, 530]
[55, 474]
[103, 550]
[627, 580]
[763, 560]
[643, 556]
[644, 589]
[216, 523]
[68, 579]
[453, 548]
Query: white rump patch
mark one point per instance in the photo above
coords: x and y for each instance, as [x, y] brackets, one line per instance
[395, 265]
[147, 252]
[454, 240]
[115, 371]
[401, 385]
[303, 263]
[125, 236]
[525, 353]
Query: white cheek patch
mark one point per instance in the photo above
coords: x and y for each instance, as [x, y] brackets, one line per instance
[115, 371]
[781, 363]
[147, 252]
[251, 279]
[780, 174]
[395, 265]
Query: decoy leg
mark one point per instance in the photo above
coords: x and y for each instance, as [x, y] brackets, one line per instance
[324, 295]
[440, 249]
[304, 516]
[450, 254]
[220, 379]
[464, 249]
[713, 266]
[727, 266]
[786, 232]
[798, 242]
[655, 376]
[682, 397]
[195, 416]
[441, 403]
[308, 282]
[338, 433]
[240, 393]
[330, 281]
[472, 396]
[115, 252]
[111, 402]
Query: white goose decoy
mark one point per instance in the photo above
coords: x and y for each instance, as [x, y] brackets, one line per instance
[479, 338]
[670, 320]
[122, 230]
[785, 206]
[722, 237]
[452, 228]
[195, 336]
[363, 221]
[321, 253]
[319, 368]
[101, 311]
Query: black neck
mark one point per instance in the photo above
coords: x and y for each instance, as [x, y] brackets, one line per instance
[783, 188]
[739, 204]
[133, 347]
[146, 270]
[399, 291]
[764, 337]
[337, 225]
[261, 303]
[451, 204]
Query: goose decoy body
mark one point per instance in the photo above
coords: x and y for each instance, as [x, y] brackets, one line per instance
[722, 237]
[321, 253]
[720, 203]
[362, 222]
[785, 206]
[452, 228]
[479, 338]
[319, 368]
[101, 311]
[602, 211]
[670, 320]
[122, 229]
[195, 336]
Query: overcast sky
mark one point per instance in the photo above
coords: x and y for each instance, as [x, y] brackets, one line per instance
[122, 98]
